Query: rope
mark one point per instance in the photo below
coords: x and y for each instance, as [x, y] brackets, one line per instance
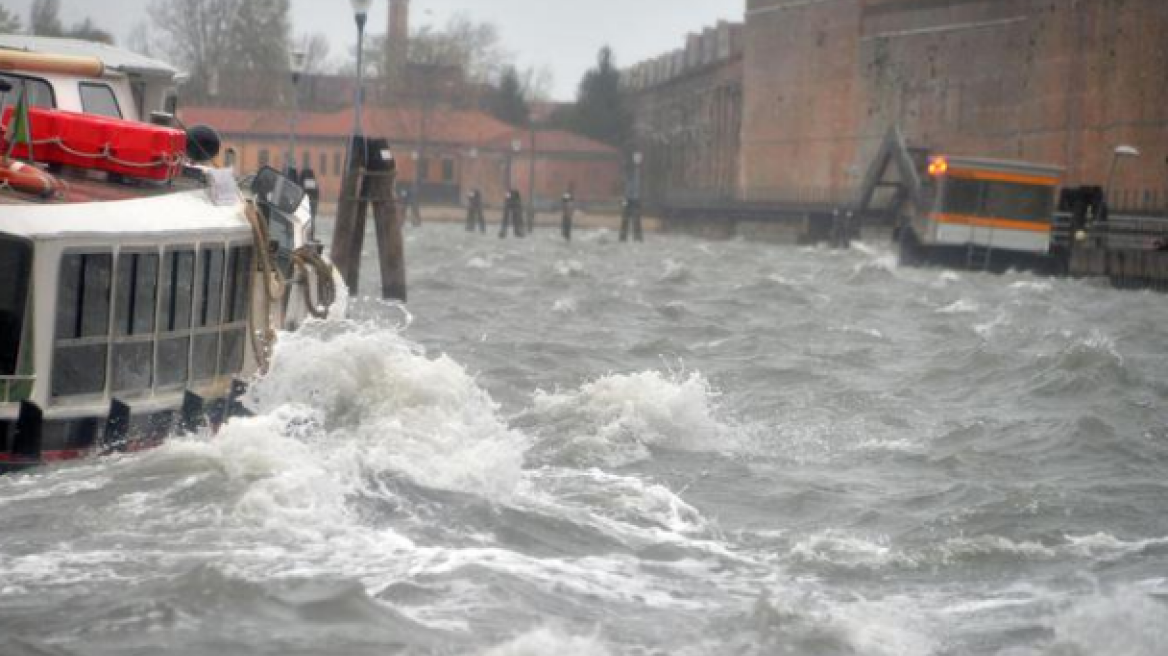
[169, 161]
[307, 260]
[263, 340]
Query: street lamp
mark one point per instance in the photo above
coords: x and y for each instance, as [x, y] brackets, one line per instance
[361, 13]
[516, 147]
[638, 158]
[1120, 152]
[296, 62]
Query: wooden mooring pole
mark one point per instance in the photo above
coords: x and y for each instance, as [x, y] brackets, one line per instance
[369, 181]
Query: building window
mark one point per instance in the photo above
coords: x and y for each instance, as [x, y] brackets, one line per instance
[306, 161]
[423, 169]
[265, 157]
[323, 164]
[337, 164]
[448, 170]
[82, 331]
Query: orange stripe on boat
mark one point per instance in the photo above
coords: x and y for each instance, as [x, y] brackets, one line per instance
[988, 222]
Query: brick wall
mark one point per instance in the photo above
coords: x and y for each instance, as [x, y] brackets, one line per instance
[1053, 81]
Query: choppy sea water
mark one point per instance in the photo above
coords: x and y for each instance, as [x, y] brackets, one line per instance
[684, 447]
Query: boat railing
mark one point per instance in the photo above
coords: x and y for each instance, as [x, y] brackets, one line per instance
[15, 388]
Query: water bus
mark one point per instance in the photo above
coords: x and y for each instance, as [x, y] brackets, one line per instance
[139, 288]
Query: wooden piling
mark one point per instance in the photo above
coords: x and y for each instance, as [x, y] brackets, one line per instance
[369, 180]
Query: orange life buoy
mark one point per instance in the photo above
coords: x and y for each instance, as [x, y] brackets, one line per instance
[28, 179]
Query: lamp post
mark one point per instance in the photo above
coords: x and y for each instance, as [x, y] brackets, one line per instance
[516, 147]
[1120, 152]
[361, 13]
[296, 62]
[638, 159]
[531, 178]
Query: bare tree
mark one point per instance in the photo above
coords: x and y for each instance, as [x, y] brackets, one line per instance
[89, 31]
[46, 18]
[234, 50]
[9, 22]
[316, 53]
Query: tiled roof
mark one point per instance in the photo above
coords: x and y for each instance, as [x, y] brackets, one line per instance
[461, 127]
[395, 124]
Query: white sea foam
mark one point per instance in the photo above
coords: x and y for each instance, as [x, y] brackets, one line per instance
[420, 416]
[548, 642]
[1121, 623]
[960, 306]
[618, 417]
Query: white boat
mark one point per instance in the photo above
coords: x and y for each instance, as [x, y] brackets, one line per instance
[139, 289]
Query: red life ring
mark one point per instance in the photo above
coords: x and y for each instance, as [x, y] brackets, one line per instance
[28, 179]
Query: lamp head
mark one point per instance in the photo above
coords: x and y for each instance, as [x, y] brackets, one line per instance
[516, 145]
[638, 157]
[361, 7]
[297, 59]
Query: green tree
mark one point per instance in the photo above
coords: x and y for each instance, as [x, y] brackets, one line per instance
[601, 110]
[9, 22]
[506, 100]
[46, 18]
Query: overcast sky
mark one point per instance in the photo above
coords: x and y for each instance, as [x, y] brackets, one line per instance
[562, 35]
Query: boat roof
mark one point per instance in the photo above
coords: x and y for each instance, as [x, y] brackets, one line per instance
[1003, 165]
[173, 215]
[114, 58]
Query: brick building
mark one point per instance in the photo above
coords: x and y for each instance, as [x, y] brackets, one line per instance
[687, 115]
[457, 151]
[1057, 82]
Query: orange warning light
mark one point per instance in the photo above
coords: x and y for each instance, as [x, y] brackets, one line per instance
[938, 167]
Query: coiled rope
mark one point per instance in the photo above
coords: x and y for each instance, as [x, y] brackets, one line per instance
[307, 260]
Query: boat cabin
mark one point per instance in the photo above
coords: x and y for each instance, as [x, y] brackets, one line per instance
[989, 204]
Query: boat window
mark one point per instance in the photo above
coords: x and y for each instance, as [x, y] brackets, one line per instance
[137, 293]
[238, 284]
[40, 93]
[83, 310]
[963, 196]
[135, 303]
[235, 310]
[99, 99]
[210, 287]
[1020, 202]
[174, 316]
[15, 267]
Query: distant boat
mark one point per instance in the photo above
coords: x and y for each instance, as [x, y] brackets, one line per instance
[139, 288]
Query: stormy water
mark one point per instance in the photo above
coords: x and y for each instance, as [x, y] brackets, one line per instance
[681, 448]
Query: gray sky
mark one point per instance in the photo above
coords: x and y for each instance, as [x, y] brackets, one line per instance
[562, 35]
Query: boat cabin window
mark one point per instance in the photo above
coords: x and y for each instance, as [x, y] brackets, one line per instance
[82, 331]
[235, 309]
[40, 93]
[174, 317]
[99, 99]
[15, 269]
[135, 307]
[998, 199]
[208, 313]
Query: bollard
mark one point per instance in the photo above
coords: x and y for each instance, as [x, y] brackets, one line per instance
[631, 220]
[474, 212]
[569, 214]
[512, 215]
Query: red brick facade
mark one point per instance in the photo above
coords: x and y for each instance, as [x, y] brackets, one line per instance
[1053, 81]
